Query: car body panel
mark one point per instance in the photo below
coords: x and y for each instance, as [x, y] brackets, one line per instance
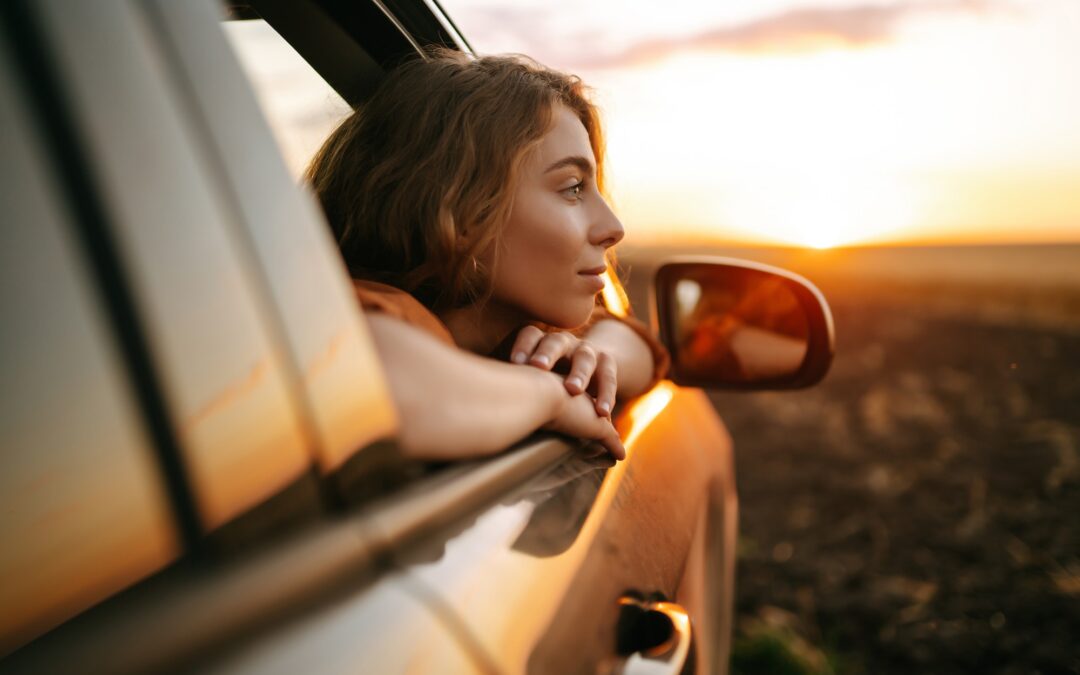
[384, 629]
[545, 570]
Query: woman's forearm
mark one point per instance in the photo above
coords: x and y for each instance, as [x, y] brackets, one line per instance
[633, 357]
[454, 404]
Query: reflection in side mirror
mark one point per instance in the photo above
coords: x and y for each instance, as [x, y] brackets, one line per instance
[733, 324]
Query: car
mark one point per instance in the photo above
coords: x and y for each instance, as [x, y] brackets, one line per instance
[199, 471]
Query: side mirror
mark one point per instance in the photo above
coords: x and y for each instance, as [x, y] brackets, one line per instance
[735, 324]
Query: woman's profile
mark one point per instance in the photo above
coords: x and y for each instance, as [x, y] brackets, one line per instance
[467, 199]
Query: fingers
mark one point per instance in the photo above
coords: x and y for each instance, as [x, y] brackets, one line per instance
[578, 418]
[544, 350]
[612, 442]
[525, 344]
[606, 376]
[551, 348]
[540, 349]
[582, 366]
[603, 434]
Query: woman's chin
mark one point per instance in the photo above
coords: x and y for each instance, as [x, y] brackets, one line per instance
[571, 315]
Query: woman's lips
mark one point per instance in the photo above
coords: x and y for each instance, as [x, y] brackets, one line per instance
[595, 281]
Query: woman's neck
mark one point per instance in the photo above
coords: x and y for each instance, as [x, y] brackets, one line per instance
[480, 329]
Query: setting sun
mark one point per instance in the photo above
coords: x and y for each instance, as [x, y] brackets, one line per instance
[832, 209]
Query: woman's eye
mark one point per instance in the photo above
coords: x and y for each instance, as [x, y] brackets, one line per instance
[575, 190]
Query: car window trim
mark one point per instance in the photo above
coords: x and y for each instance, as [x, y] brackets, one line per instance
[352, 45]
[192, 611]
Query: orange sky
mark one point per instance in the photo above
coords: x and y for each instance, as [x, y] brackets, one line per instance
[823, 123]
[780, 121]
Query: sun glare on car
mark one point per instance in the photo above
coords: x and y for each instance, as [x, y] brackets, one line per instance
[645, 410]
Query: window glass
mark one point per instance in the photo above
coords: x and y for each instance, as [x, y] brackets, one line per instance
[301, 107]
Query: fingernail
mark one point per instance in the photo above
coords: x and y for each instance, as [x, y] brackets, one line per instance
[541, 360]
[574, 382]
[605, 407]
[518, 357]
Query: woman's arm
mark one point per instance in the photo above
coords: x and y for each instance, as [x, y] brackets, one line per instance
[634, 360]
[454, 404]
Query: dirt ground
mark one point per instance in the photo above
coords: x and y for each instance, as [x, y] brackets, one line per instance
[919, 510]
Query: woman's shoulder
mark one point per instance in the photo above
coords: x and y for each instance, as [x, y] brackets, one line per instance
[392, 301]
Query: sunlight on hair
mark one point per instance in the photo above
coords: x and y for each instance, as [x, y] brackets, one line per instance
[645, 410]
[614, 296]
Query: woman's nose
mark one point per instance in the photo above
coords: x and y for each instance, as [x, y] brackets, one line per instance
[606, 230]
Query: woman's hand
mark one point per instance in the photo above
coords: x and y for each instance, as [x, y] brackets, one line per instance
[590, 368]
[577, 417]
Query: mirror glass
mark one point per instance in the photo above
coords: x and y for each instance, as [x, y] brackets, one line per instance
[736, 325]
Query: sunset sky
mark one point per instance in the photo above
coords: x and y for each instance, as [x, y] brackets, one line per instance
[825, 122]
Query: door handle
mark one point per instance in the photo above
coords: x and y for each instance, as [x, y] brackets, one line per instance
[655, 636]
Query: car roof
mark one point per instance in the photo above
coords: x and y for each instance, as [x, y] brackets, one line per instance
[352, 44]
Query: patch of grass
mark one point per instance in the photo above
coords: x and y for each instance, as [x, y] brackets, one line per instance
[766, 650]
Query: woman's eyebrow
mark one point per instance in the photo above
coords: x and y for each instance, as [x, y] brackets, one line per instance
[580, 162]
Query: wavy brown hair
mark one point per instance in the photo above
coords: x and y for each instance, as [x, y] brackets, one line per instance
[418, 181]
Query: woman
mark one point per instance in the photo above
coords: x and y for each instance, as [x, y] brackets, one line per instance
[466, 197]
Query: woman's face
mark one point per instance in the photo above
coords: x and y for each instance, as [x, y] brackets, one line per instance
[551, 252]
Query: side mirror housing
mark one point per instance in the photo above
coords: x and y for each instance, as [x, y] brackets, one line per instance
[741, 325]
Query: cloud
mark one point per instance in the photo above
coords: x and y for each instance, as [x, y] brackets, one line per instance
[798, 30]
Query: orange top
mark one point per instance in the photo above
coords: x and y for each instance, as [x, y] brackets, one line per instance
[377, 297]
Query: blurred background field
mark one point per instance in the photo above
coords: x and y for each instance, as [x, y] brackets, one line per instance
[917, 511]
